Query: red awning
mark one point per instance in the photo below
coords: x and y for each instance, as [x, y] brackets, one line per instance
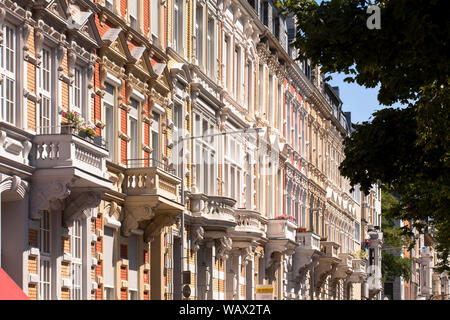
[9, 290]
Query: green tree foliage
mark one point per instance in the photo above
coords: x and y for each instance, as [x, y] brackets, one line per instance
[394, 241]
[407, 149]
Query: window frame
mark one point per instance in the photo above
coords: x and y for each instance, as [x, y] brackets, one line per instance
[7, 74]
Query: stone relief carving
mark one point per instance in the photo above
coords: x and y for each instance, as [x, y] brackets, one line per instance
[198, 234]
[223, 246]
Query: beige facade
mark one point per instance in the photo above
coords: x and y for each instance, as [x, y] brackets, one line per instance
[213, 163]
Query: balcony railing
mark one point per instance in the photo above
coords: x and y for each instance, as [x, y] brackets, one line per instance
[281, 229]
[67, 150]
[149, 163]
[216, 210]
[359, 266]
[330, 249]
[250, 221]
[150, 177]
[308, 240]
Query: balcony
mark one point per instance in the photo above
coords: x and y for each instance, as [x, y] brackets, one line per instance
[328, 262]
[345, 268]
[359, 270]
[281, 229]
[330, 250]
[67, 166]
[70, 153]
[151, 177]
[306, 254]
[152, 197]
[213, 211]
[250, 225]
[308, 240]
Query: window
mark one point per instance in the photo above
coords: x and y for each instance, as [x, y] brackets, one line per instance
[154, 137]
[133, 7]
[279, 105]
[108, 263]
[199, 34]
[296, 133]
[304, 210]
[45, 91]
[178, 26]
[77, 259]
[210, 47]
[77, 91]
[134, 142]
[45, 256]
[270, 99]
[177, 131]
[249, 87]
[204, 152]
[109, 119]
[357, 231]
[261, 88]
[8, 74]
[288, 121]
[226, 62]
[154, 17]
[237, 73]
[133, 266]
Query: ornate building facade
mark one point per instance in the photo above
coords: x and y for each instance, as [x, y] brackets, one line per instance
[208, 156]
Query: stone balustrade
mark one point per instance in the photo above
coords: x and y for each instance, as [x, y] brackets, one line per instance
[330, 249]
[66, 150]
[281, 229]
[151, 181]
[308, 240]
[214, 210]
[249, 221]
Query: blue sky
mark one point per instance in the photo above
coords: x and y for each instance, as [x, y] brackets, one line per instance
[360, 101]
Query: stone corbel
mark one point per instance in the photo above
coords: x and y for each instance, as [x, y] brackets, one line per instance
[247, 255]
[78, 203]
[198, 234]
[157, 224]
[133, 215]
[223, 246]
[44, 193]
[38, 40]
[273, 262]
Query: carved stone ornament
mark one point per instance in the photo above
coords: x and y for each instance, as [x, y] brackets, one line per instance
[80, 202]
[198, 234]
[223, 246]
[44, 193]
[132, 216]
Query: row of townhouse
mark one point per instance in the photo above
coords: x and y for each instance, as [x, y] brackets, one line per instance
[426, 281]
[212, 169]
